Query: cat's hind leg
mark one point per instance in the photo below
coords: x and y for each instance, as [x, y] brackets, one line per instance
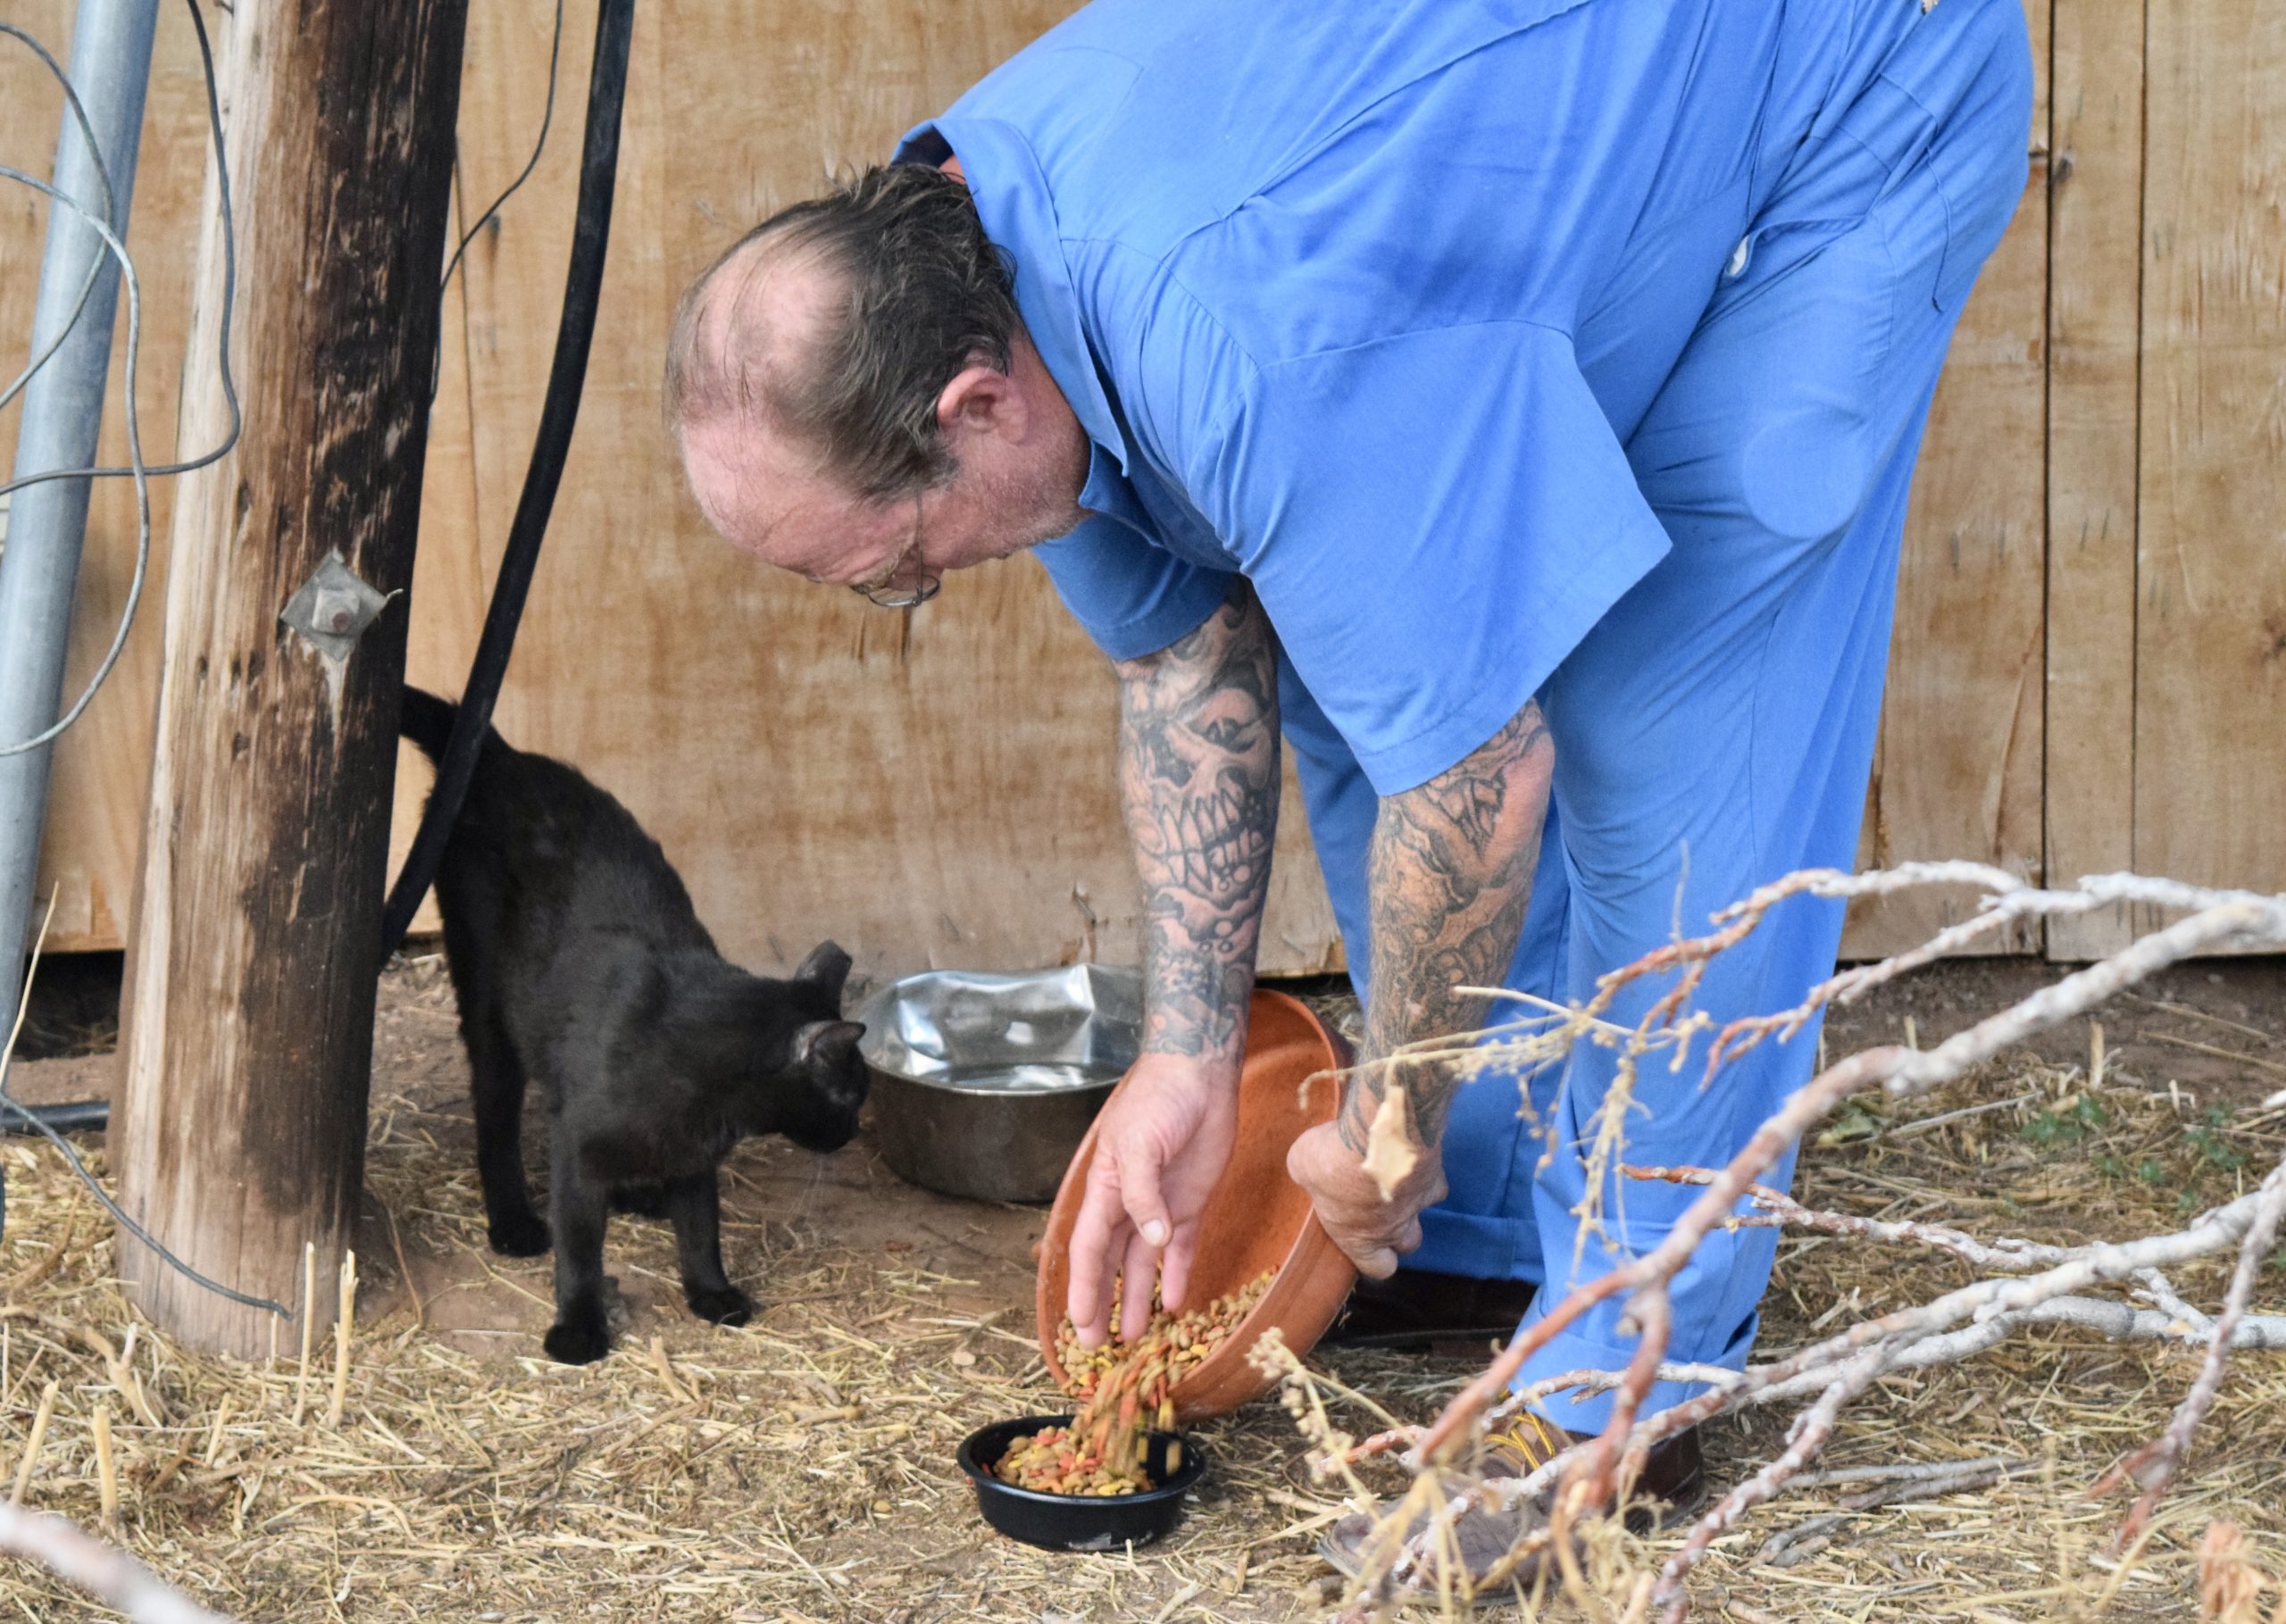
[581, 1333]
[497, 1087]
[695, 1206]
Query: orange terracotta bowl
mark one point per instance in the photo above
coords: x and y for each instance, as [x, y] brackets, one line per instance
[1257, 1218]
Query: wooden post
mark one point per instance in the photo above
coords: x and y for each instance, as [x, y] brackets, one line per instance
[248, 1017]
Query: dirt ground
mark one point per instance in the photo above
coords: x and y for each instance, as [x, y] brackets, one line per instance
[801, 1469]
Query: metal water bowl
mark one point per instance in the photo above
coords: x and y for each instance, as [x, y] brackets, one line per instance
[983, 1085]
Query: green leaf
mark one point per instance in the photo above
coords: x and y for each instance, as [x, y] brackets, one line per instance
[1854, 1123]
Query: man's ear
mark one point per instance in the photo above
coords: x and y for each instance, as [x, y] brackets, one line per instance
[981, 398]
[827, 967]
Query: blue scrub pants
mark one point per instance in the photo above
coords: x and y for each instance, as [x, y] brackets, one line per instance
[1716, 729]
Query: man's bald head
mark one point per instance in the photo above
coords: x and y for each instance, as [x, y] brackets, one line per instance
[855, 399]
[837, 323]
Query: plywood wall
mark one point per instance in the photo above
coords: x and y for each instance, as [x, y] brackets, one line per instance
[2209, 762]
[2094, 321]
[2086, 670]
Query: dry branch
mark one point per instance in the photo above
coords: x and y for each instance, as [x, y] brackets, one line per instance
[2023, 1283]
[108, 1574]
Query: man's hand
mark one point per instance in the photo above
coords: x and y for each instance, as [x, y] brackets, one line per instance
[1375, 1231]
[1160, 1146]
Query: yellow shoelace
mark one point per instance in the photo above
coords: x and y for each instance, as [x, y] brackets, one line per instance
[1531, 1441]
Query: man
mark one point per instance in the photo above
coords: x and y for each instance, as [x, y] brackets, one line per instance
[1513, 406]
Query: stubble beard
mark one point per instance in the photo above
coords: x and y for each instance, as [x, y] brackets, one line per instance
[1040, 507]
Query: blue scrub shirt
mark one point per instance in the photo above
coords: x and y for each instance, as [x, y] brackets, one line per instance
[1578, 351]
[1360, 301]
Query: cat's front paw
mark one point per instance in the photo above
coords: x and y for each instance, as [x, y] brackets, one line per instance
[579, 1341]
[519, 1235]
[728, 1306]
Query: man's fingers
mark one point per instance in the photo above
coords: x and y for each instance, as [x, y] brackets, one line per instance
[1138, 1185]
[1374, 1250]
[1136, 1290]
[1375, 1262]
[1148, 1229]
[1096, 1248]
[1174, 1267]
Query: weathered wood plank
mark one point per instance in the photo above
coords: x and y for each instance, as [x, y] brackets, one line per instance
[2210, 771]
[247, 1020]
[2095, 252]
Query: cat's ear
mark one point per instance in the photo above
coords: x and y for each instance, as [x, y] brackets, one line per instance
[827, 1042]
[827, 967]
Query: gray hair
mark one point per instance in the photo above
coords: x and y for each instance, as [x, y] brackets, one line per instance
[925, 294]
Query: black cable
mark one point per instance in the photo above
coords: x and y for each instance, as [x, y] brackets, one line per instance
[559, 411]
[73, 1117]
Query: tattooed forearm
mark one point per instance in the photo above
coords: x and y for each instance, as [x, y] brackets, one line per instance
[1198, 775]
[1449, 874]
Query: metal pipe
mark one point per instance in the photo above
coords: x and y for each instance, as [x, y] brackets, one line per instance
[62, 417]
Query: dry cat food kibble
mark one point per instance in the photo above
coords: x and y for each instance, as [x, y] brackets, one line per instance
[1193, 1336]
[1128, 1389]
[1054, 1460]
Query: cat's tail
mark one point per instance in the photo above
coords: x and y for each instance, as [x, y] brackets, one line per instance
[427, 721]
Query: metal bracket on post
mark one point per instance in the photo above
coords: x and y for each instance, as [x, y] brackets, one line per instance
[333, 607]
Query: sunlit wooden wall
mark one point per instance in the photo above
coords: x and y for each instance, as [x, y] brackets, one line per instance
[2087, 667]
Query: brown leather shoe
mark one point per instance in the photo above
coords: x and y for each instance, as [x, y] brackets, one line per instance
[1674, 1474]
[1418, 1308]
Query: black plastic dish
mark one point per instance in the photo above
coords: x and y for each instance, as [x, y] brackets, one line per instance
[1079, 1522]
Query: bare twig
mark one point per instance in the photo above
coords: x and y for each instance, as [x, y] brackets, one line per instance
[309, 1327]
[2023, 1283]
[1773, 1210]
[108, 1574]
[1897, 1487]
[1810, 1433]
[2154, 1465]
[344, 1321]
[106, 1468]
[1910, 1471]
[38, 1435]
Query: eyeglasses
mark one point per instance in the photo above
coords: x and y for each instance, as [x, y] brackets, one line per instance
[885, 593]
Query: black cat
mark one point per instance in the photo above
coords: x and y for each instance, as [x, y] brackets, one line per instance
[579, 961]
